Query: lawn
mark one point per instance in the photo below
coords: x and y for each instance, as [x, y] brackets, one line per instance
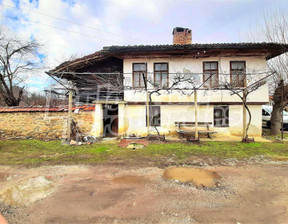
[266, 134]
[36, 152]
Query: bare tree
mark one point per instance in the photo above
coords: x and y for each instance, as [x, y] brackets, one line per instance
[17, 58]
[275, 29]
[158, 89]
[239, 88]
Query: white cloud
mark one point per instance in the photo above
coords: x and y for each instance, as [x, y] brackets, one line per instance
[104, 24]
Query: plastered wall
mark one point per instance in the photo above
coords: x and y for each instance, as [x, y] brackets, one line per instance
[190, 65]
[135, 119]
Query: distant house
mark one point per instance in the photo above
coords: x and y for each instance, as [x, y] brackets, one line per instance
[112, 79]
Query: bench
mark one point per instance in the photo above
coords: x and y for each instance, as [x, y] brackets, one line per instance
[187, 133]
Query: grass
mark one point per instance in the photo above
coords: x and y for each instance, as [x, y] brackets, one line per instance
[36, 152]
[266, 134]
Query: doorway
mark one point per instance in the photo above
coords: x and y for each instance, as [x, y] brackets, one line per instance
[110, 120]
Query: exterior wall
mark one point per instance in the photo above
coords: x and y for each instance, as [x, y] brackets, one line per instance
[135, 119]
[132, 118]
[190, 65]
[42, 125]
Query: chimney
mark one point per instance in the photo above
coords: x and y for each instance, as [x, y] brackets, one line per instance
[182, 35]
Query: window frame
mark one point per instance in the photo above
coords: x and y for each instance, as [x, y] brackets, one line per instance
[206, 72]
[223, 117]
[244, 82]
[151, 118]
[133, 74]
[162, 71]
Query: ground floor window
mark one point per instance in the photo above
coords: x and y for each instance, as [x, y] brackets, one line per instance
[221, 116]
[154, 116]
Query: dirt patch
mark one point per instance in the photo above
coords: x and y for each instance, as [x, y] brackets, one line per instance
[195, 176]
[108, 194]
[3, 176]
[126, 142]
[130, 179]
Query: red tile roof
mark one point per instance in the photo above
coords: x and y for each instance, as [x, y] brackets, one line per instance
[63, 108]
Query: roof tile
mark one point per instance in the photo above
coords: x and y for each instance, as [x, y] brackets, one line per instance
[62, 108]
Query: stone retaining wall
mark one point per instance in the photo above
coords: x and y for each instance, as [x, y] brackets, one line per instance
[42, 125]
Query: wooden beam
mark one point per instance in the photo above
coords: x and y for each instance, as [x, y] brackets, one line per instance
[196, 114]
[192, 103]
[69, 116]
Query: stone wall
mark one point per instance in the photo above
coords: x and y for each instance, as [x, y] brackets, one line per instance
[42, 125]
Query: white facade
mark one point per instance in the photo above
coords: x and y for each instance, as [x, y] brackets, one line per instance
[178, 107]
[190, 65]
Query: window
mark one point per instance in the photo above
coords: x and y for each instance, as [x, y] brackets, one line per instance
[210, 69]
[161, 77]
[265, 113]
[139, 69]
[221, 116]
[237, 73]
[154, 116]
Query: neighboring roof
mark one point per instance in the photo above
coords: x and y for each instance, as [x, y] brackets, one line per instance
[63, 108]
[269, 50]
[79, 62]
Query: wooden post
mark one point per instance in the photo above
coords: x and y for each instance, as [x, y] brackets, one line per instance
[148, 111]
[244, 117]
[282, 109]
[244, 121]
[69, 116]
[196, 114]
[147, 103]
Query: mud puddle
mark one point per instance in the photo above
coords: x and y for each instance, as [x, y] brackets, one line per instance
[130, 179]
[197, 177]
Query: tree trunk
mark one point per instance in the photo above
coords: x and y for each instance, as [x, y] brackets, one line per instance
[276, 118]
[11, 101]
[280, 97]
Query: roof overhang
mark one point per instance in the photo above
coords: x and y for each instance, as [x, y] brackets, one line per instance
[267, 50]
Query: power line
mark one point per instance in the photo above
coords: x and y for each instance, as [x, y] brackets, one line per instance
[71, 31]
[69, 21]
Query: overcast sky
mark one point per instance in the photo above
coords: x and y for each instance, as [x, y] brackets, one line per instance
[80, 27]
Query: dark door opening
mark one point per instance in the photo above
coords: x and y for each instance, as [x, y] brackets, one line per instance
[110, 120]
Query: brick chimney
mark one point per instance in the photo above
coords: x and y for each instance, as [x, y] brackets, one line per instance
[182, 35]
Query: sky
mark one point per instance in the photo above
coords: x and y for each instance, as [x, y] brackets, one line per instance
[74, 28]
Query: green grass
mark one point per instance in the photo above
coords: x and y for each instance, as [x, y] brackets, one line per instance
[266, 134]
[36, 152]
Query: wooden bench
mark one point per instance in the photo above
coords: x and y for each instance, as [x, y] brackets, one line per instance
[192, 124]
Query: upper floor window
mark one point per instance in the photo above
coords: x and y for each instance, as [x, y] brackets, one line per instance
[161, 76]
[210, 74]
[139, 70]
[238, 73]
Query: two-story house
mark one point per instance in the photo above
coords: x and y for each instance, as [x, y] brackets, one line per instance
[115, 78]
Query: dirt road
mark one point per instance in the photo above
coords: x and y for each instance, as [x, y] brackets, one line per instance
[114, 194]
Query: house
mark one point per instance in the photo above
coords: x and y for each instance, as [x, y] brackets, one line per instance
[114, 80]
